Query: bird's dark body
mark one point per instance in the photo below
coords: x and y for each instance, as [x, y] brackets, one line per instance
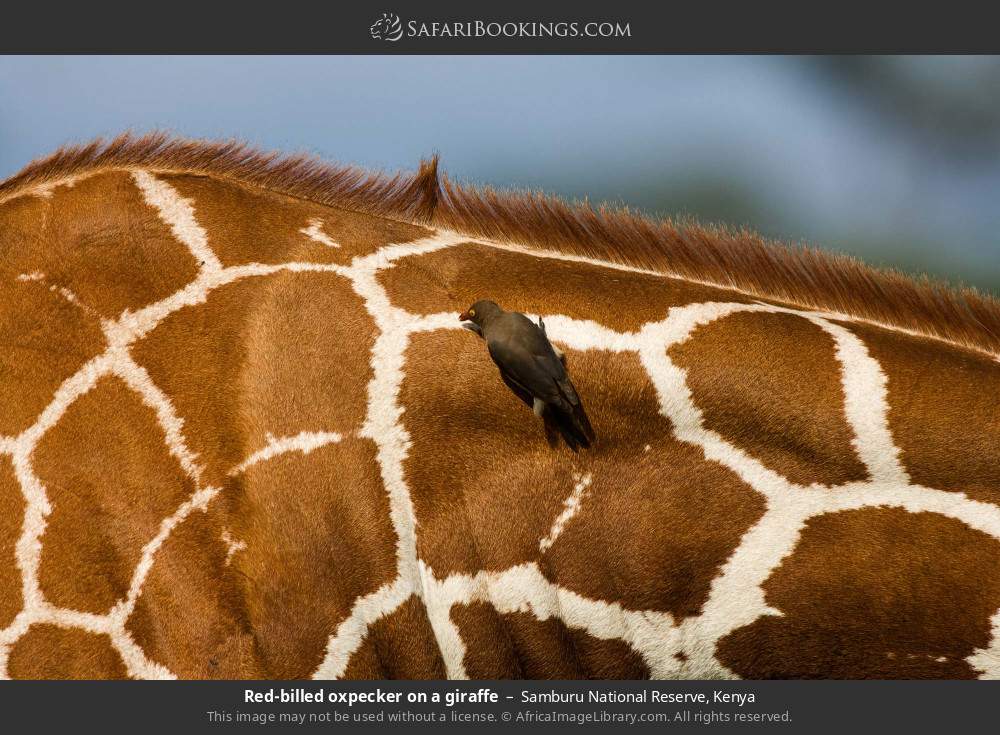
[530, 366]
[523, 352]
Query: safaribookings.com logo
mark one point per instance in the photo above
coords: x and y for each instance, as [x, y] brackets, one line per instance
[390, 28]
[387, 28]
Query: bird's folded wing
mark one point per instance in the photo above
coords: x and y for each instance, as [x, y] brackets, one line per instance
[568, 390]
[519, 390]
[536, 374]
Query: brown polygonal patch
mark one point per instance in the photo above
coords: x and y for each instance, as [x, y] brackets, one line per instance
[485, 485]
[654, 535]
[451, 279]
[506, 486]
[195, 356]
[51, 652]
[11, 518]
[45, 340]
[111, 481]
[99, 239]
[519, 646]
[318, 536]
[944, 411]
[232, 387]
[874, 593]
[307, 368]
[399, 646]
[770, 384]
[190, 616]
[252, 225]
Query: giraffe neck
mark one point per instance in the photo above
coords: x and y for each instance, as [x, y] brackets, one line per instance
[261, 410]
[799, 277]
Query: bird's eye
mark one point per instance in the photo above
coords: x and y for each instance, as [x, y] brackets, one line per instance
[472, 312]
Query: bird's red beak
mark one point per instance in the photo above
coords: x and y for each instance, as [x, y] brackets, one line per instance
[464, 317]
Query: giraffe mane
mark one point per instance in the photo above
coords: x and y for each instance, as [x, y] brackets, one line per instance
[736, 258]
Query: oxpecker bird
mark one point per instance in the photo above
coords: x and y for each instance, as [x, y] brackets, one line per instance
[533, 369]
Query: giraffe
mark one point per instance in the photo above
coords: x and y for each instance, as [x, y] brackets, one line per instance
[243, 435]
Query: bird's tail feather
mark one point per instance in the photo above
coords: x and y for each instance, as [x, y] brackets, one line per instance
[572, 424]
[552, 431]
[582, 423]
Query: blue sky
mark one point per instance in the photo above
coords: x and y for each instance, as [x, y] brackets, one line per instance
[764, 141]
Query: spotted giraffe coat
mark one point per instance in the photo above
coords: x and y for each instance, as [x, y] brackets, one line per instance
[242, 434]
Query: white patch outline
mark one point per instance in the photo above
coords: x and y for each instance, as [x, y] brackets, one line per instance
[233, 545]
[987, 660]
[63, 291]
[524, 588]
[314, 231]
[304, 442]
[178, 214]
[571, 506]
[47, 189]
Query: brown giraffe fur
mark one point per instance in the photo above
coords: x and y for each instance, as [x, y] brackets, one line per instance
[235, 394]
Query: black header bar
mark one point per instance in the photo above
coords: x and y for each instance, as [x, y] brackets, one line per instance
[510, 27]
